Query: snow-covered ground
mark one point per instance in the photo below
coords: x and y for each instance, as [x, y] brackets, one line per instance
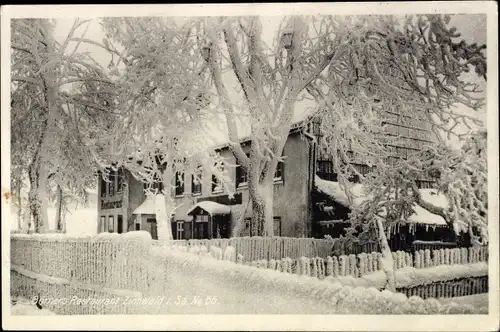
[20, 306]
[476, 300]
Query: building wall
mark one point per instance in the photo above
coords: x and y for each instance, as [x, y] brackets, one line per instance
[291, 196]
[136, 197]
[111, 206]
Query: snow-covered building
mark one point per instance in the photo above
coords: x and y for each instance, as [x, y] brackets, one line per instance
[205, 208]
[308, 201]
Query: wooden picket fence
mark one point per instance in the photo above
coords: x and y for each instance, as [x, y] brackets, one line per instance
[363, 264]
[258, 248]
[448, 288]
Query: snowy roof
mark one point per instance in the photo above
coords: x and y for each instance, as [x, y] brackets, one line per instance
[148, 206]
[334, 190]
[420, 215]
[211, 207]
[216, 131]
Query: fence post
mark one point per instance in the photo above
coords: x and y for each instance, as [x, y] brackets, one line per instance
[362, 264]
[417, 260]
[353, 268]
[342, 265]
[427, 258]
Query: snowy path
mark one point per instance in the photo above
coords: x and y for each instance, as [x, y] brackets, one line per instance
[22, 307]
[477, 300]
[246, 301]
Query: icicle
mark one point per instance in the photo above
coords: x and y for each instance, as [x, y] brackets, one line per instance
[426, 228]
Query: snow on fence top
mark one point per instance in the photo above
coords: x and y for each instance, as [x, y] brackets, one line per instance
[365, 269]
[421, 215]
[212, 208]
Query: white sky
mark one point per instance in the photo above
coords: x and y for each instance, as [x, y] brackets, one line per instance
[472, 27]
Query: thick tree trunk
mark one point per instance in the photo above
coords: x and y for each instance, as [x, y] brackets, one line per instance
[60, 222]
[165, 208]
[239, 222]
[37, 197]
[19, 208]
[387, 261]
[262, 208]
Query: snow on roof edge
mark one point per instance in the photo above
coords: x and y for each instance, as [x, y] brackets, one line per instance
[211, 207]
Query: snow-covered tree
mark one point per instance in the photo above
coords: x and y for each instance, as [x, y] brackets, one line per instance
[56, 107]
[347, 64]
[408, 68]
[162, 106]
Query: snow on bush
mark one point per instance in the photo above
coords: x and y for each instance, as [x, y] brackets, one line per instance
[137, 235]
[230, 254]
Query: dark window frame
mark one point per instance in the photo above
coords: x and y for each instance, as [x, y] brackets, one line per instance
[196, 188]
[111, 224]
[217, 182]
[179, 184]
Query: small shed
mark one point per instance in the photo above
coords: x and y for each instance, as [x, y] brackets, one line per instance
[210, 220]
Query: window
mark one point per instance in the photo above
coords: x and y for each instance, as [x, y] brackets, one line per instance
[246, 227]
[180, 230]
[241, 175]
[152, 227]
[179, 184]
[120, 224]
[217, 185]
[279, 173]
[196, 182]
[137, 226]
[119, 181]
[158, 185]
[111, 224]
[202, 218]
[277, 226]
[104, 187]
[111, 183]
[102, 226]
[325, 167]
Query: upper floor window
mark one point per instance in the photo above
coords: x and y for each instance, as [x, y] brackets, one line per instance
[217, 185]
[241, 175]
[104, 187]
[113, 184]
[119, 181]
[156, 185]
[279, 174]
[179, 184]
[196, 180]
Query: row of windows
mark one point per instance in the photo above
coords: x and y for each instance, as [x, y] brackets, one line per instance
[324, 169]
[217, 184]
[108, 224]
[113, 185]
